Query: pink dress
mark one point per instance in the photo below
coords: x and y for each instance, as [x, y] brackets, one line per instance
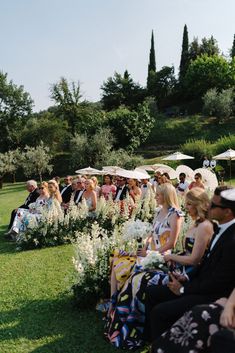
[106, 190]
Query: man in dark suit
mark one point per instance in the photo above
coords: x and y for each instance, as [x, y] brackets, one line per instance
[80, 190]
[32, 188]
[66, 192]
[210, 280]
[122, 189]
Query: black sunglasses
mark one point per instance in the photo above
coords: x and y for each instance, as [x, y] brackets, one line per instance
[214, 205]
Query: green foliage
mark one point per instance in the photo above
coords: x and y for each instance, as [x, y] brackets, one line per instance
[45, 127]
[219, 104]
[123, 159]
[198, 148]
[164, 85]
[35, 160]
[130, 128]
[10, 162]
[85, 152]
[15, 109]
[233, 48]
[224, 143]
[67, 97]
[151, 68]
[207, 47]
[208, 72]
[184, 60]
[121, 90]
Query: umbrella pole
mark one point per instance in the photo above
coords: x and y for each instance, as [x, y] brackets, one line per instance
[230, 171]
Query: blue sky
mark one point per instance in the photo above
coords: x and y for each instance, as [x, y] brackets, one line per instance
[87, 40]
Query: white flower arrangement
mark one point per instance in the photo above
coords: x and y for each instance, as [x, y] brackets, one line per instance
[153, 260]
[136, 230]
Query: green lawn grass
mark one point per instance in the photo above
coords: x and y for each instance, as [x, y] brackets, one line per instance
[37, 313]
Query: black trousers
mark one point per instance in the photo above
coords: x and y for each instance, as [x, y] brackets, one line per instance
[223, 341]
[163, 308]
[13, 214]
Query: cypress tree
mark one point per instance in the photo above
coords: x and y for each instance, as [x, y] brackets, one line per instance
[184, 61]
[233, 48]
[151, 67]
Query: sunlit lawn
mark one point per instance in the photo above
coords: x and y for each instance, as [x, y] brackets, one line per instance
[36, 309]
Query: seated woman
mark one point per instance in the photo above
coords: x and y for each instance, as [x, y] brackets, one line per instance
[199, 234]
[197, 183]
[205, 328]
[125, 322]
[25, 217]
[55, 200]
[90, 197]
[96, 186]
[132, 296]
[108, 189]
[134, 190]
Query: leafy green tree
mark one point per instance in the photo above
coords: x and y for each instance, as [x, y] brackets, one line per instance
[45, 127]
[35, 160]
[233, 48]
[184, 60]
[151, 68]
[165, 84]
[10, 161]
[15, 109]
[219, 104]
[208, 72]
[130, 128]
[86, 153]
[208, 46]
[67, 98]
[121, 90]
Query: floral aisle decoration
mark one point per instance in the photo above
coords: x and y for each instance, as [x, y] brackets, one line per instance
[55, 228]
[91, 263]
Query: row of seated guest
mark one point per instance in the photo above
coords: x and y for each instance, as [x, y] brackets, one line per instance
[129, 282]
[46, 196]
[211, 280]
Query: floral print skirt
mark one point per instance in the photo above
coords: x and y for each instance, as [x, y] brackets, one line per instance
[124, 327]
[192, 332]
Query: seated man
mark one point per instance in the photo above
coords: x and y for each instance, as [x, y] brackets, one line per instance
[32, 188]
[211, 279]
[182, 186]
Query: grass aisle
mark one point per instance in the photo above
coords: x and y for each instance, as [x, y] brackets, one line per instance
[36, 310]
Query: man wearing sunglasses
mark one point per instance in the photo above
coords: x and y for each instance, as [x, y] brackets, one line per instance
[213, 278]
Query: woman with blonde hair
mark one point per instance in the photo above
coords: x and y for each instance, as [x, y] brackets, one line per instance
[54, 191]
[199, 233]
[126, 316]
[89, 196]
[96, 185]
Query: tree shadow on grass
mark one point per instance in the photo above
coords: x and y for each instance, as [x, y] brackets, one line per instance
[68, 329]
[6, 247]
[13, 188]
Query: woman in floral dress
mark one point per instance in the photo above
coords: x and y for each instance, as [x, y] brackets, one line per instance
[125, 324]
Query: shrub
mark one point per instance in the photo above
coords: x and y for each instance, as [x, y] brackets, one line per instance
[219, 104]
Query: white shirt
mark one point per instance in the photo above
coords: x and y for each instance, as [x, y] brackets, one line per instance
[223, 228]
[79, 196]
[183, 186]
[117, 198]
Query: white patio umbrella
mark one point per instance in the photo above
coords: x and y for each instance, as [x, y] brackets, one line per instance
[228, 155]
[133, 174]
[162, 168]
[177, 156]
[209, 178]
[111, 169]
[186, 170]
[89, 171]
